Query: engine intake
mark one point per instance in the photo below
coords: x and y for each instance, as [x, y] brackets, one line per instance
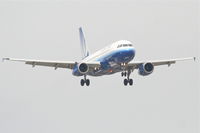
[146, 69]
[83, 68]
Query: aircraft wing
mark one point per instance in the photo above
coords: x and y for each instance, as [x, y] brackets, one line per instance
[168, 62]
[55, 64]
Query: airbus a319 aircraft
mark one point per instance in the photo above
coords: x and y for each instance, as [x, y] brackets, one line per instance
[114, 58]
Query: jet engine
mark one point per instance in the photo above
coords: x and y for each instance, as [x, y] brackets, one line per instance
[146, 69]
[83, 68]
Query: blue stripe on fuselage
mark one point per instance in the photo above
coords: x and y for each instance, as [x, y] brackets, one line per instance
[111, 61]
[118, 56]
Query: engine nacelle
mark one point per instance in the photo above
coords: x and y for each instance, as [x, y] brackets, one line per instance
[146, 69]
[83, 68]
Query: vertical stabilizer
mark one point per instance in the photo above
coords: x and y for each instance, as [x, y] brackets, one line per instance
[84, 50]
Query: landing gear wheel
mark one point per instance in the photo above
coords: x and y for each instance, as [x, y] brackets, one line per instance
[87, 82]
[125, 82]
[125, 74]
[82, 82]
[130, 81]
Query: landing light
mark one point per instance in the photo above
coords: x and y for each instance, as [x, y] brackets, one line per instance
[123, 64]
[96, 68]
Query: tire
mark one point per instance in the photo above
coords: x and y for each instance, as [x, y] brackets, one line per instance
[87, 82]
[122, 74]
[125, 82]
[130, 81]
[82, 82]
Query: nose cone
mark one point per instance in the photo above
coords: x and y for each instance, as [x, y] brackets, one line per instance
[127, 55]
[130, 52]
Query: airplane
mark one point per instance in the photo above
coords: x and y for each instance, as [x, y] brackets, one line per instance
[112, 59]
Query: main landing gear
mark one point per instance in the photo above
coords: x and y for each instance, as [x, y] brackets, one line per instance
[123, 74]
[85, 81]
[127, 80]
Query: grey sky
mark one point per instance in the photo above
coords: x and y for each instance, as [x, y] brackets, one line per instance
[45, 100]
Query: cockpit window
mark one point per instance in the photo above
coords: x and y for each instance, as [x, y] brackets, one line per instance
[124, 45]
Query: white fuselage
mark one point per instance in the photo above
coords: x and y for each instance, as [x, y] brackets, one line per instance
[110, 58]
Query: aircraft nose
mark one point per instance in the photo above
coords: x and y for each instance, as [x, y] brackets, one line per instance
[127, 55]
[130, 52]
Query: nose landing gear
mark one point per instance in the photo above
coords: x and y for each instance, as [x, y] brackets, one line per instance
[127, 80]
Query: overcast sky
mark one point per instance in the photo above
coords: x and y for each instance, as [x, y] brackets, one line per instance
[42, 100]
